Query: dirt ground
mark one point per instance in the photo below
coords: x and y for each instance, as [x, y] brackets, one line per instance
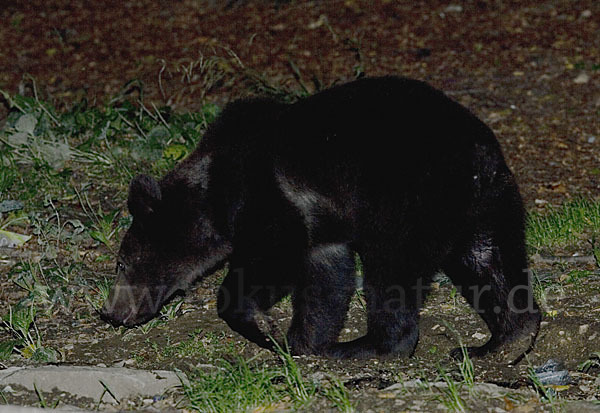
[531, 69]
[569, 335]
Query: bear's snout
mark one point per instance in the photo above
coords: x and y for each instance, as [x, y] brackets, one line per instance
[131, 305]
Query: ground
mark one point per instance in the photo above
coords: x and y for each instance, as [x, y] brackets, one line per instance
[530, 70]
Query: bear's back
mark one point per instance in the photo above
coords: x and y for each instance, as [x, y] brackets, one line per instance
[384, 133]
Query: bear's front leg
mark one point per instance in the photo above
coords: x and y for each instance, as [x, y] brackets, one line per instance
[321, 299]
[244, 297]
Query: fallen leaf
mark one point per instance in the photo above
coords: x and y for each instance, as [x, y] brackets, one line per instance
[26, 123]
[582, 79]
[12, 240]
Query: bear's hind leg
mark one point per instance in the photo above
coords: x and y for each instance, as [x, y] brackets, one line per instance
[322, 298]
[492, 275]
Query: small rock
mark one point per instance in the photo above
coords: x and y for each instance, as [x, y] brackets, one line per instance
[552, 372]
[591, 139]
[453, 8]
[204, 366]
[320, 22]
[586, 14]
[10, 205]
[479, 336]
[540, 202]
[278, 27]
[550, 365]
[582, 78]
[584, 328]
[317, 377]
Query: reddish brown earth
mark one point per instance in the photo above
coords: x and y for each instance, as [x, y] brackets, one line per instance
[530, 69]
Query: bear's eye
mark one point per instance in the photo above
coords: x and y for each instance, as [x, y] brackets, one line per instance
[120, 266]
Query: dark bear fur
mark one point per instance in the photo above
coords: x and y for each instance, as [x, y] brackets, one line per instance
[388, 168]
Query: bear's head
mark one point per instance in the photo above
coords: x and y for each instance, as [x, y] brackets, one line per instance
[170, 243]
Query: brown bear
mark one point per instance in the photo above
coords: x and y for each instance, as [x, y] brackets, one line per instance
[388, 168]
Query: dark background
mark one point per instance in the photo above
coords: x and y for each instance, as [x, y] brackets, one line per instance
[530, 69]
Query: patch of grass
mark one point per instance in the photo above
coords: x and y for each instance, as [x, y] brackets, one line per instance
[205, 345]
[338, 395]
[575, 277]
[358, 265]
[168, 312]
[27, 340]
[593, 362]
[539, 287]
[69, 171]
[42, 148]
[454, 296]
[42, 400]
[450, 396]
[575, 225]
[106, 390]
[101, 290]
[238, 386]
[300, 391]
[242, 385]
[466, 368]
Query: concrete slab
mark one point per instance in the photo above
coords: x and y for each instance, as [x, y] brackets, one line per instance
[21, 409]
[109, 383]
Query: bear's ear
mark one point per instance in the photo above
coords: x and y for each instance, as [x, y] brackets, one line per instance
[144, 196]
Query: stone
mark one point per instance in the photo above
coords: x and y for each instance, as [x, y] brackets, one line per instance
[86, 381]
